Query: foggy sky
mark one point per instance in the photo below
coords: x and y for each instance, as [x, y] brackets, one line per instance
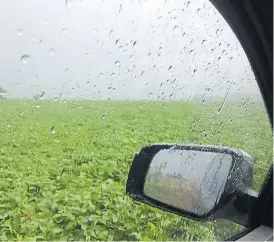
[119, 49]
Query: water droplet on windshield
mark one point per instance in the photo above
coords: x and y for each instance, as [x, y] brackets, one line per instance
[100, 75]
[25, 59]
[20, 32]
[169, 68]
[52, 52]
[117, 63]
[53, 131]
[134, 43]
[68, 4]
[175, 27]
[65, 31]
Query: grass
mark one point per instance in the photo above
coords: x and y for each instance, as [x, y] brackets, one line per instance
[70, 184]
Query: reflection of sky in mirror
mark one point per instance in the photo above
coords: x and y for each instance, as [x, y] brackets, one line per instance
[190, 164]
[119, 49]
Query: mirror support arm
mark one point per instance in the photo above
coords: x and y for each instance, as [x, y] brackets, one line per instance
[239, 208]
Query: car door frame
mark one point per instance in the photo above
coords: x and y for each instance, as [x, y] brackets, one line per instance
[252, 23]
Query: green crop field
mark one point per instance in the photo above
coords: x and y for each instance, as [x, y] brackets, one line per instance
[64, 166]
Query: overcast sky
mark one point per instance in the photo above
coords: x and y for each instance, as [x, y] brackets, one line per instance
[119, 49]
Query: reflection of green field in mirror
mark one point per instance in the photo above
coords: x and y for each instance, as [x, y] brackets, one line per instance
[64, 167]
[173, 196]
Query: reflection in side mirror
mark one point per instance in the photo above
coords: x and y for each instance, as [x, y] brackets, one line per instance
[192, 180]
[198, 182]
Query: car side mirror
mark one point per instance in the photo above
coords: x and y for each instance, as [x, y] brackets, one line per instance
[199, 182]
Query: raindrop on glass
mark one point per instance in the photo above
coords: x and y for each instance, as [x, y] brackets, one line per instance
[65, 31]
[53, 131]
[20, 32]
[100, 75]
[117, 63]
[25, 59]
[175, 27]
[52, 52]
[134, 43]
[169, 68]
[68, 4]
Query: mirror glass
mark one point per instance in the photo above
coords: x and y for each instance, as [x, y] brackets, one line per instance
[191, 180]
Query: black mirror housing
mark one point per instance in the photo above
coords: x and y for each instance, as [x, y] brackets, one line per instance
[232, 202]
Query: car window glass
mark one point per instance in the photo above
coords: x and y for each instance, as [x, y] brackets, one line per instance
[85, 84]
